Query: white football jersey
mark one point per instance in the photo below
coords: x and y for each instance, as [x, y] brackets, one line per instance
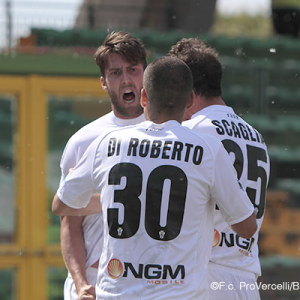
[249, 155]
[159, 185]
[76, 146]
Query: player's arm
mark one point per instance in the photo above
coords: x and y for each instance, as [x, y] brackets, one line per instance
[74, 254]
[76, 195]
[232, 200]
[246, 228]
[71, 231]
[59, 208]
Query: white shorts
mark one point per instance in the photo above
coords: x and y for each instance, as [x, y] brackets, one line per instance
[228, 283]
[69, 286]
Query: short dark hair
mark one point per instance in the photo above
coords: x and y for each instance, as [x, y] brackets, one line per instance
[204, 64]
[123, 43]
[168, 83]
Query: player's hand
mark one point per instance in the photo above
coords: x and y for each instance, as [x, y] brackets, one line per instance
[87, 292]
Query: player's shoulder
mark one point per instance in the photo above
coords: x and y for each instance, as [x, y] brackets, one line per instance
[123, 131]
[90, 131]
[202, 138]
[242, 121]
[218, 116]
[95, 127]
[111, 137]
[204, 116]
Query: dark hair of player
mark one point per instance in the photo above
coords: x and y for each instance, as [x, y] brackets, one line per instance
[124, 44]
[204, 64]
[168, 83]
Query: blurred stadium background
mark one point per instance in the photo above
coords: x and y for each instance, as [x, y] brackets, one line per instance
[49, 88]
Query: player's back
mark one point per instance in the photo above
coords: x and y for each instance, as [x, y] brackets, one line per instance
[248, 153]
[156, 185]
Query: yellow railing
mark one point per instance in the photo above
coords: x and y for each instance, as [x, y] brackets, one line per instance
[30, 254]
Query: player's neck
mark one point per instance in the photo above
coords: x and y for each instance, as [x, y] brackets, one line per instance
[160, 118]
[202, 102]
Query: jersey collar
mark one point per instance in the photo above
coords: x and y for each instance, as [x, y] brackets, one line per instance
[157, 127]
[126, 122]
[212, 108]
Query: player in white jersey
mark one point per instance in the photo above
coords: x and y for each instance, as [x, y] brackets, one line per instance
[122, 59]
[234, 259]
[159, 183]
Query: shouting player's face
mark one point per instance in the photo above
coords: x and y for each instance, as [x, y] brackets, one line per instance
[123, 81]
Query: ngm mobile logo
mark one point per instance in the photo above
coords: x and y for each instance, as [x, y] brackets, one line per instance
[231, 240]
[154, 273]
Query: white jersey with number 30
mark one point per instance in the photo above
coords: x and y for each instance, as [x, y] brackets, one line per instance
[159, 184]
[73, 151]
[248, 153]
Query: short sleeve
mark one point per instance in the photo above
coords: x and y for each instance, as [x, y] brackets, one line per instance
[77, 188]
[228, 193]
[68, 159]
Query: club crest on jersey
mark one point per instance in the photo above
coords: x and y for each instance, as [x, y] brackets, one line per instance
[162, 234]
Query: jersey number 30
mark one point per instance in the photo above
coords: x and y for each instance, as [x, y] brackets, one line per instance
[129, 198]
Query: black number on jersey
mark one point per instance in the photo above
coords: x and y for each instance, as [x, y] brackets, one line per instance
[254, 154]
[129, 198]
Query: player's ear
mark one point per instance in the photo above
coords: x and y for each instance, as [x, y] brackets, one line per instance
[103, 83]
[144, 99]
[188, 112]
[191, 100]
